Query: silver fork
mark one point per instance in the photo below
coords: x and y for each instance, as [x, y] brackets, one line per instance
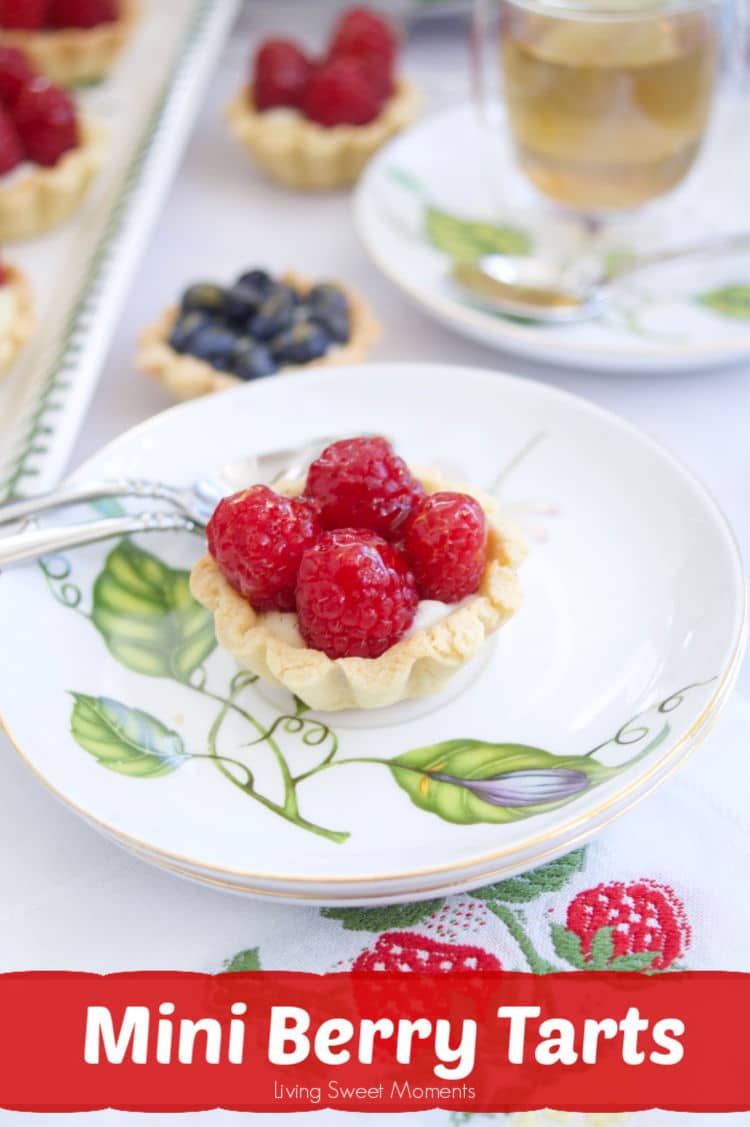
[195, 503]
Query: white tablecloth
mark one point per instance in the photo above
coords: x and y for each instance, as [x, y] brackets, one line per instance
[69, 899]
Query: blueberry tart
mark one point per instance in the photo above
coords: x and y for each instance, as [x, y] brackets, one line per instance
[220, 336]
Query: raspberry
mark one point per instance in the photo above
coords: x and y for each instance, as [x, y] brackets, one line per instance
[446, 544]
[644, 916]
[257, 538]
[340, 93]
[362, 483]
[379, 75]
[27, 15]
[281, 74]
[363, 34]
[45, 118]
[82, 13]
[11, 153]
[15, 72]
[405, 951]
[355, 594]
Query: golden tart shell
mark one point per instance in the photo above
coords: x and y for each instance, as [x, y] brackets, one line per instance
[308, 156]
[72, 55]
[186, 376]
[420, 664]
[44, 197]
[22, 322]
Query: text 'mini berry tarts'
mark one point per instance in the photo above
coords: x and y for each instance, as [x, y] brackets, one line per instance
[71, 41]
[365, 585]
[16, 314]
[314, 123]
[220, 336]
[49, 151]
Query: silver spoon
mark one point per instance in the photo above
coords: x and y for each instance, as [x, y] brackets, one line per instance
[540, 289]
[195, 503]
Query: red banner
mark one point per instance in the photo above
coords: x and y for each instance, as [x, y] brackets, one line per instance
[589, 1041]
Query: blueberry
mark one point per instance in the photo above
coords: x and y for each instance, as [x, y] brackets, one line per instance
[242, 301]
[335, 323]
[251, 360]
[204, 297]
[256, 279]
[275, 314]
[186, 327]
[328, 298]
[300, 344]
[214, 344]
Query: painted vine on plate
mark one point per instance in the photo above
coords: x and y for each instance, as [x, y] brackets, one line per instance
[143, 610]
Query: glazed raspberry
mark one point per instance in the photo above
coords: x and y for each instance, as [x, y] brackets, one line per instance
[45, 118]
[281, 74]
[446, 544]
[362, 483]
[406, 951]
[363, 34]
[26, 15]
[11, 153]
[380, 76]
[15, 72]
[340, 93]
[355, 594]
[644, 916]
[257, 538]
[82, 13]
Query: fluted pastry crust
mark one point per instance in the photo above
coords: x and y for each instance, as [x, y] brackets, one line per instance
[22, 322]
[73, 55]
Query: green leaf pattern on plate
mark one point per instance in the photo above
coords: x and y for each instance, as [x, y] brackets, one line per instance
[148, 618]
[123, 739]
[466, 239]
[729, 301]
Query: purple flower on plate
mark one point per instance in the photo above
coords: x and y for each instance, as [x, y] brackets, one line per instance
[522, 788]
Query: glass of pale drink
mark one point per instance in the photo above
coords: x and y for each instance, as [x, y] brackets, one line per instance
[606, 101]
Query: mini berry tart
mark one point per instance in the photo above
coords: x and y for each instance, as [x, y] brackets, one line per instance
[16, 314]
[307, 592]
[315, 124]
[71, 41]
[220, 336]
[49, 153]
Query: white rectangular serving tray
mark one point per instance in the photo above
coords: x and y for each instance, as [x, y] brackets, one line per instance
[81, 272]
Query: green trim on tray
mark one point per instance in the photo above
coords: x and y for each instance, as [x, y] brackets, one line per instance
[40, 426]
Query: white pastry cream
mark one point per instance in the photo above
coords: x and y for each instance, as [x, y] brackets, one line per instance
[429, 611]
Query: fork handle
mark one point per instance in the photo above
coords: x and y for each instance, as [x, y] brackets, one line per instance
[44, 541]
[73, 494]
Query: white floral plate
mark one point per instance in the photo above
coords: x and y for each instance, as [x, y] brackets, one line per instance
[114, 693]
[442, 191]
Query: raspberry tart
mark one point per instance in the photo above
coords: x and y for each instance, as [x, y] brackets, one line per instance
[71, 41]
[16, 314]
[314, 123]
[362, 586]
[49, 152]
[220, 336]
